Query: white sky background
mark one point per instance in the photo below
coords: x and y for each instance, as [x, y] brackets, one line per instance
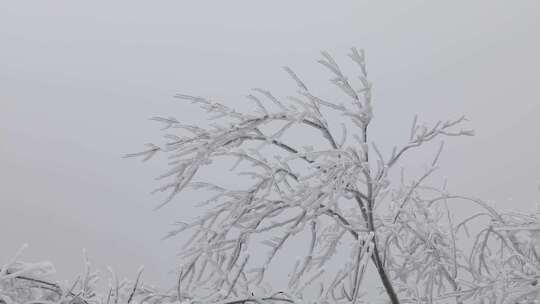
[78, 81]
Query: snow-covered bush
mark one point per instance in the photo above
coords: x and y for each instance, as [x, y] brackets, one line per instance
[339, 198]
[32, 283]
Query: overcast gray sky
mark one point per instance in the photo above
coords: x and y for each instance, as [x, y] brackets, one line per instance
[78, 80]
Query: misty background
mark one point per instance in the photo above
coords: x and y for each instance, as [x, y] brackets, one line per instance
[79, 80]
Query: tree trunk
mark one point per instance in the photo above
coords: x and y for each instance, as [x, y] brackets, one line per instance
[382, 273]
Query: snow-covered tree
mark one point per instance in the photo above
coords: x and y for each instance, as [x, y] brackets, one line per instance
[337, 193]
[336, 204]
